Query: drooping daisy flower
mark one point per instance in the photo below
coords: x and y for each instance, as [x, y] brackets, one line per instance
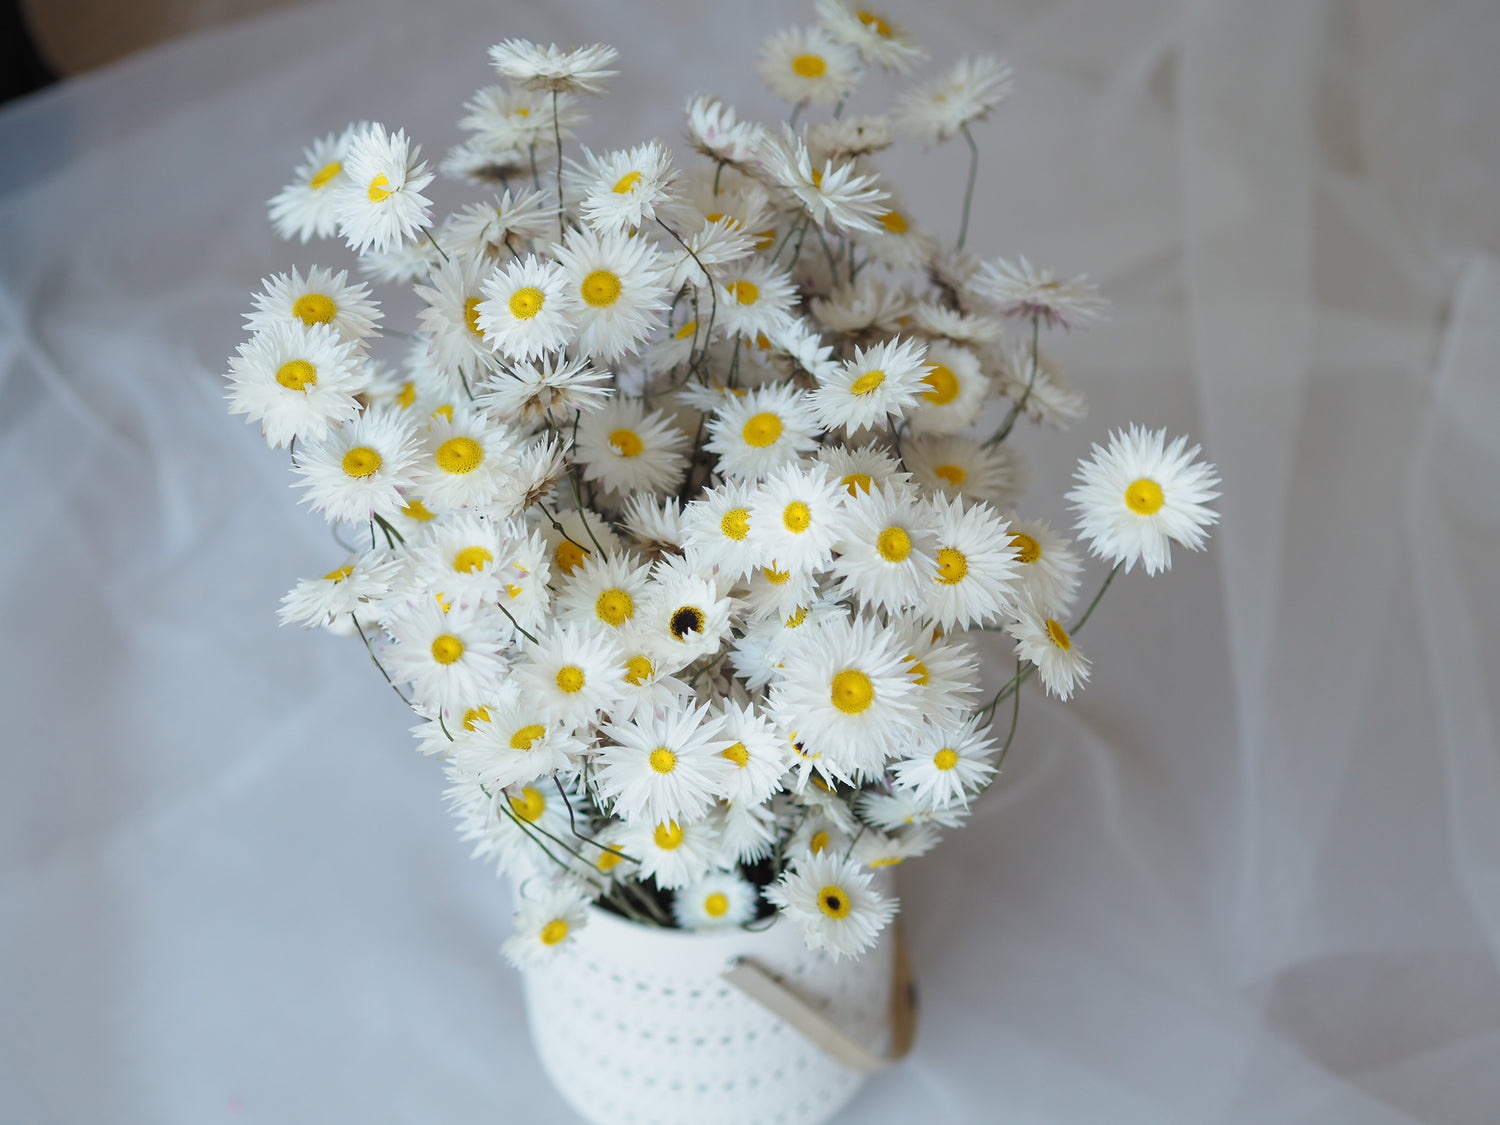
[876, 39]
[297, 382]
[886, 551]
[870, 305]
[756, 750]
[1045, 642]
[715, 132]
[830, 901]
[450, 321]
[468, 462]
[380, 205]
[528, 308]
[806, 64]
[517, 119]
[656, 523]
[579, 71]
[626, 450]
[481, 161]
[323, 297]
[1038, 388]
[956, 389]
[304, 207]
[796, 518]
[501, 227]
[876, 850]
[605, 592]
[664, 767]
[674, 853]
[843, 138]
[836, 196]
[617, 278]
[876, 386]
[1138, 495]
[448, 656]
[974, 576]
[401, 264]
[755, 434]
[1049, 570]
[966, 92]
[525, 393]
[624, 190]
[972, 330]
[955, 465]
[546, 923]
[719, 901]
[1017, 288]
[894, 811]
[347, 589]
[571, 674]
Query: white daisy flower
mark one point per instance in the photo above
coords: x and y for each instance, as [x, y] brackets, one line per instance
[756, 750]
[954, 465]
[1038, 388]
[664, 767]
[1049, 570]
[897, 242]
[462, 559]
[581, 70]
[547, 921]
[618, 280]
[1138, 495]
[755, 434]
[886, 553]
[716, 530]
[1017, 288]
[674, 853]
[304, 207]
[714, 130]
[719, 901]
[574, 538]
[973, 330]
[817, 832]
[830, 901]
[803, 346]
[297, 382]
[777, 594]
[467, 462]
[656, 522]
[796, 518]
[884, 383]
[847, 695]
[604, 592]
[894, 811]
[524, 573]
[806, 64]
[626, 450]
[571, 674]
[946, 673]
[507, 826]
[648, 687]
[876, 39]
[347, 589]
[323, 297]
[837, 197]
[950, 763]
[717, 244]
[514, 744]
[956, 389]
[541, 465]
[683, 616]
[525, 393]
[361, 471]
[455, 336]
[1045, 642]
[876, 850]
[482, 161]
[863, 467]
[626, 189]
[965, 93]
[517, 119]
[528, 308]
[974, 578]
[871, 304]
[501, 227]
[844, 138]
[448, 656]
[755, 297]
[400, 264]
[747, 834]
[381, 205]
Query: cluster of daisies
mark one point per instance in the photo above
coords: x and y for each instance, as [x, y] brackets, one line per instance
[673, 514]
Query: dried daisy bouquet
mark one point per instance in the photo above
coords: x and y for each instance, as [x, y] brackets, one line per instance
[675, 514]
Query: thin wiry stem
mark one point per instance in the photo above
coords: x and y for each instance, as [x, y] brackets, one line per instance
[1020, 404]
[557, 136]
[963, 226]
[375, 661]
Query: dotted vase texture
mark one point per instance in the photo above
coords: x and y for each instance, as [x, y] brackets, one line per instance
[635, 1025]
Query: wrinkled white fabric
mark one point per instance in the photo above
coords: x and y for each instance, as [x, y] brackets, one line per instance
[1251, 875]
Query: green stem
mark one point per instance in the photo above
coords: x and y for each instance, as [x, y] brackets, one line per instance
[557, 137]
[963, 226]
[1020, 404]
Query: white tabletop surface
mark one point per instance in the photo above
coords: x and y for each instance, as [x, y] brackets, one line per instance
[1252, 875]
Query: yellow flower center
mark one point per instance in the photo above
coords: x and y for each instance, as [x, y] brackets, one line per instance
[875, 23]
[818, 842]
[297, 375]
[1143, 497]
[796, 517]
[1059, 635]
[444, 411]
[459, 455]
[663, 760]
[314, 308]
[668, 836]
[340, 574]
[745, 292]
[953, 474]
[379, 189]
[761, 430]
[530, 805]
[833, 902]
[570, 679]
[607, 861]
[417, 510]
[471, 559]
[952, 567]
[944, 385]
[687, 619]
[809, 66]
[716, 905]
[687, 330]
[893, 222]
[855, 483]
[569, 556]
[407, 396]
[600, 289]
[362, 461]
[945, 759]
[554, 931]
[324, 175]
[614, 607]
[735, 524]
[797, 618]
[894, 544]
[737, 754]
[626, 183]
[889, 861]
[1028, 550]
[852, 691]
[777, 577]
[867, 382]
[471, 316]
[916, 668]
[476, 715]
[637, 670]
[627, 443]
[525, 738]
[446, 648]
[526, 303]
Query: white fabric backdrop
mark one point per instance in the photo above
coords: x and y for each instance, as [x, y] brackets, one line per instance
[1253, 875]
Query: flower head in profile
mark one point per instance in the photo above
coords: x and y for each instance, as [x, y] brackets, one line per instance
[877, 39]
[837, 196]
[966, 92]
[304, 208]
[1018, 288]
[380, 204]
[579, 71]
[717, 133]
